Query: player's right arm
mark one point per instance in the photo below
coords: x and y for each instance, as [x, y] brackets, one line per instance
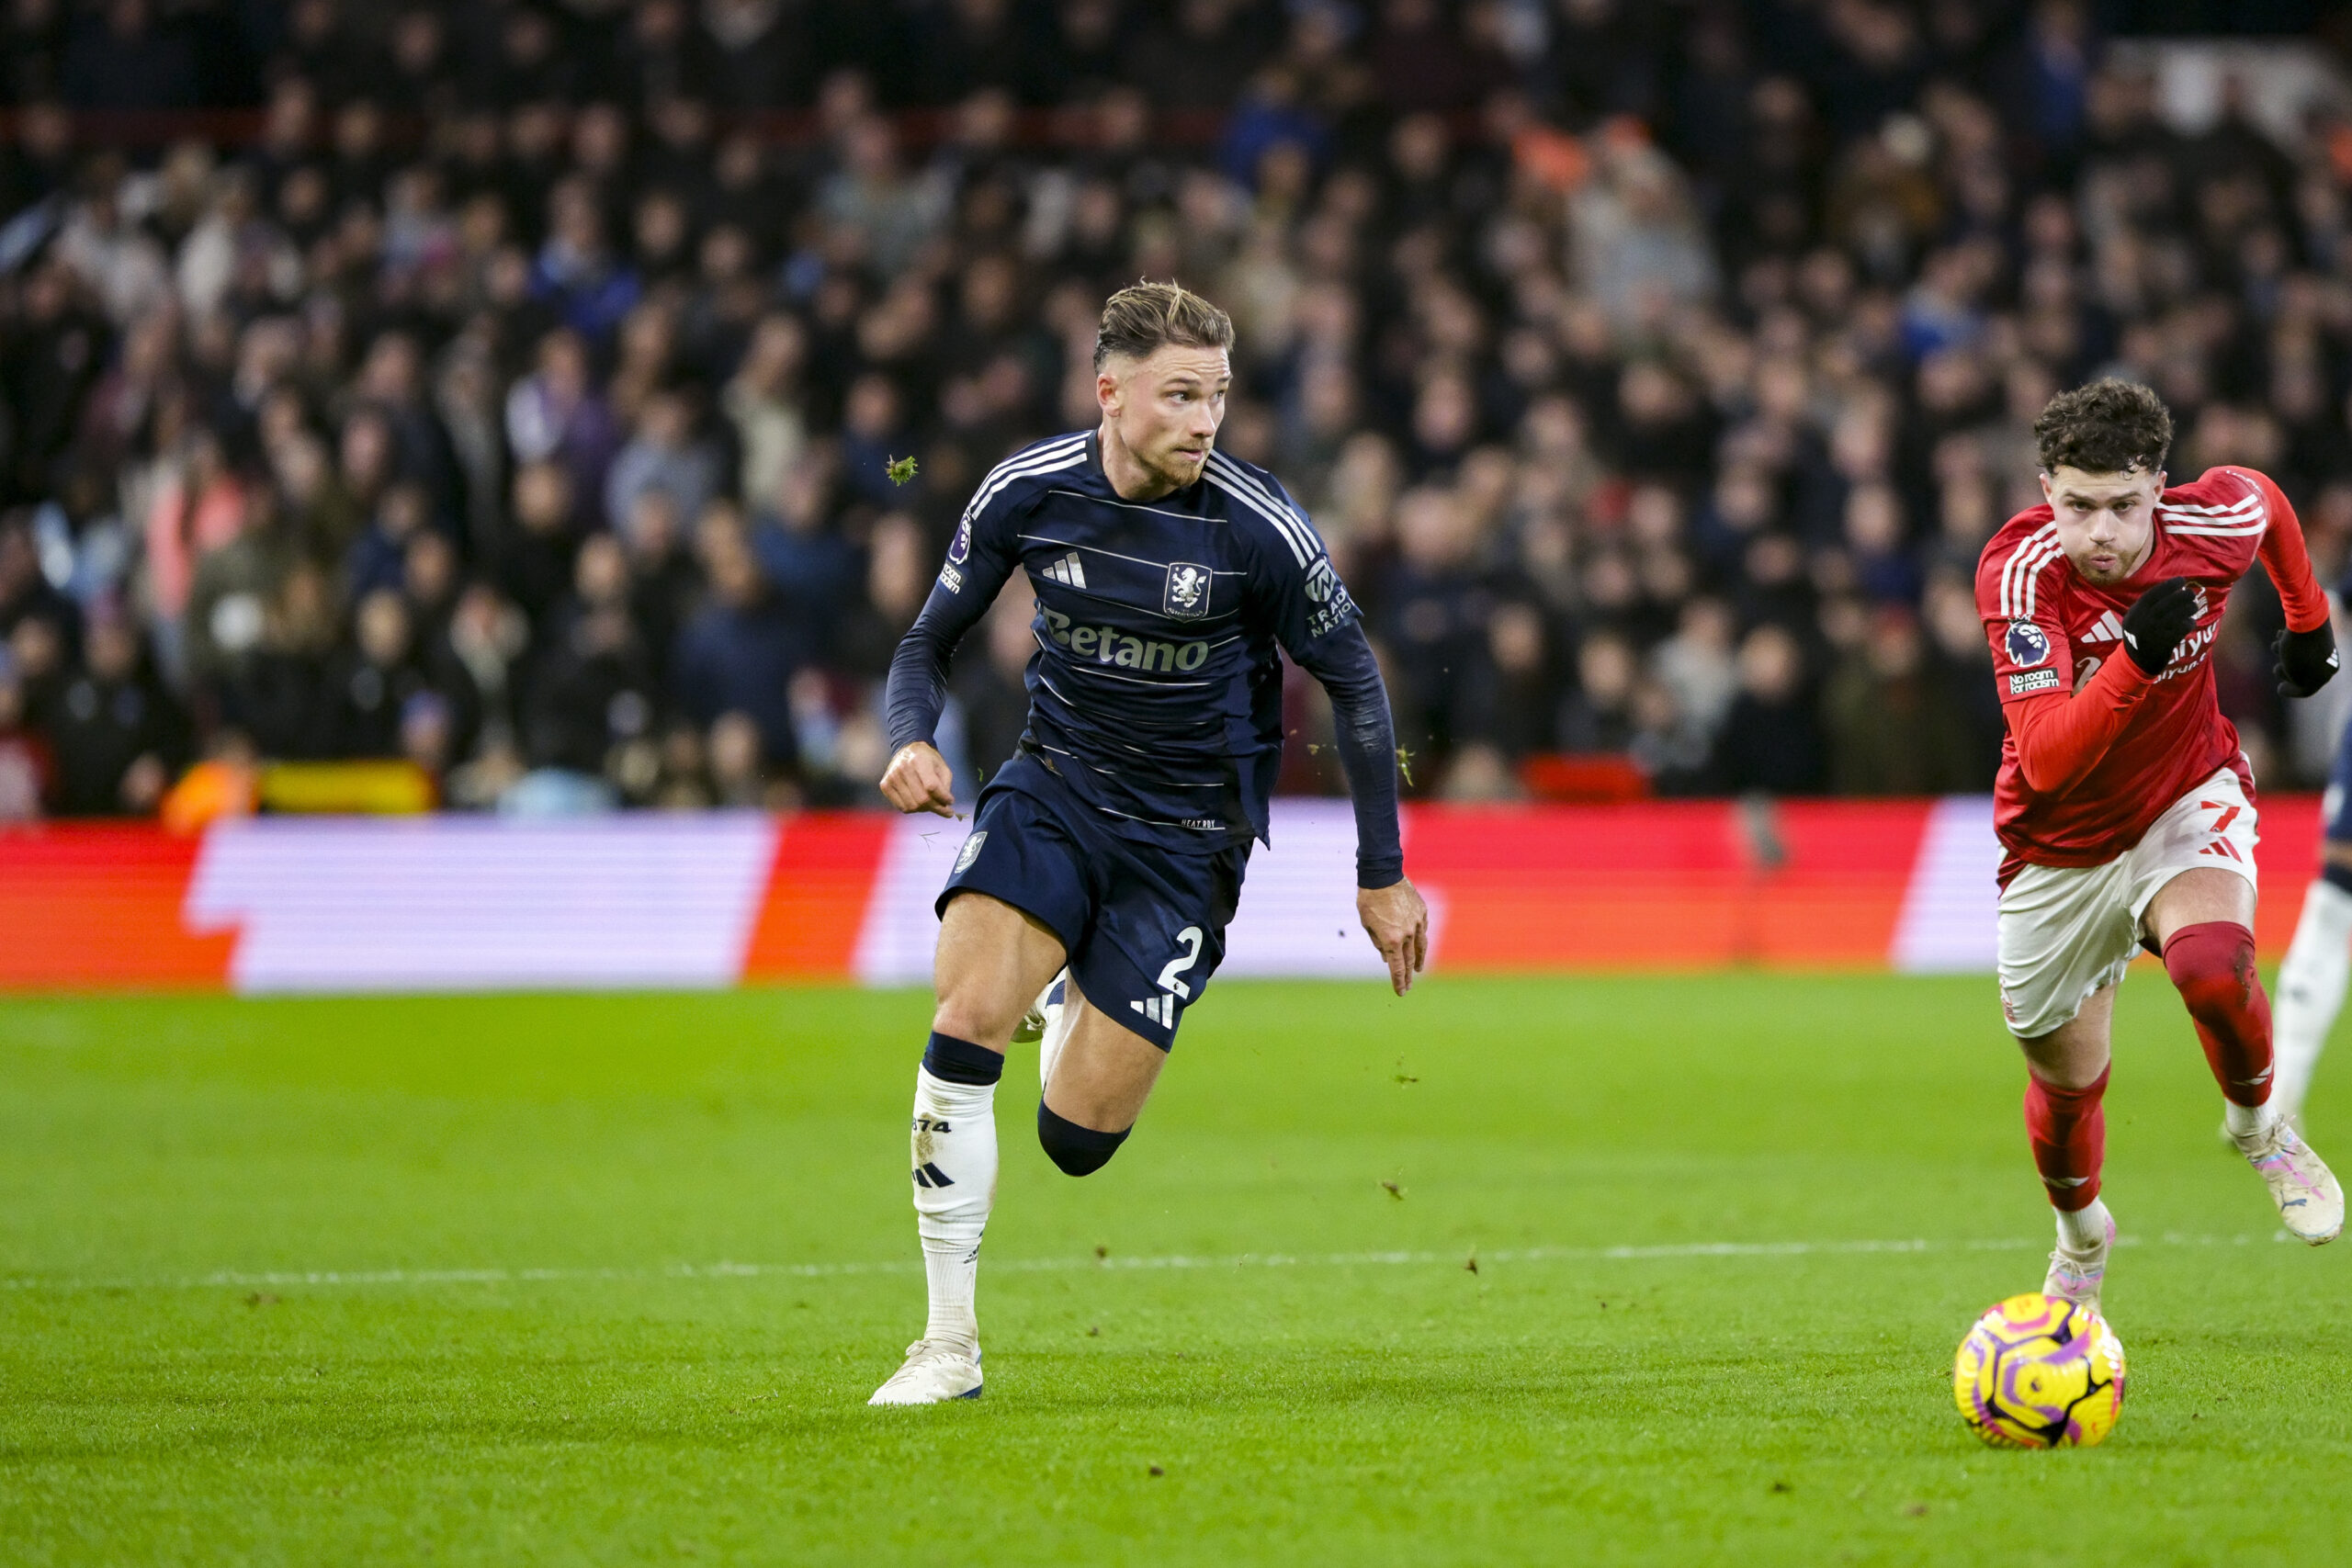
[979, 561]
[2060, 735]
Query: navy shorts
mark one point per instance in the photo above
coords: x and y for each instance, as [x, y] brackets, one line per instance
[1144, 927]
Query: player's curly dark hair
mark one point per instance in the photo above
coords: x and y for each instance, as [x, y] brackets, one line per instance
[2107, 427]
[1145, 316]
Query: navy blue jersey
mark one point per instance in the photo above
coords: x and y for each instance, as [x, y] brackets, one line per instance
[1156, 690]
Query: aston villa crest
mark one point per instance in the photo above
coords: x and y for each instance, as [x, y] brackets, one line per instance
[1187, 597]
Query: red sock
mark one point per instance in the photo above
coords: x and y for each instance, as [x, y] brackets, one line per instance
[2068, 1130]
[2212, 966]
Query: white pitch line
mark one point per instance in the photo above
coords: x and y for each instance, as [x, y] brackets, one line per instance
[231, 1277]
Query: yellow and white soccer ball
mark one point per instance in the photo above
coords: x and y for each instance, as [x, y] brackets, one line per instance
[2040, 1373]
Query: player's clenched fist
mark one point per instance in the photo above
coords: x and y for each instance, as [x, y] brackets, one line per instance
[918, 780]
[2156, 622]
[2306, 659]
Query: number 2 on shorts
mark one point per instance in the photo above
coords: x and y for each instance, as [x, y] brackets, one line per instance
[1190, 937]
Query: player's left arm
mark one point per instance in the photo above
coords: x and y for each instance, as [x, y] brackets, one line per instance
[1319, 626]
[2306, 650]
[1393, 913]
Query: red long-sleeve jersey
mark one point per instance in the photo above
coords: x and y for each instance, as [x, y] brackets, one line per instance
[2096, 749]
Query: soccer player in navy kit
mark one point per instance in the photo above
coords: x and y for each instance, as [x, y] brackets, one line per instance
[2318, 965]
[1106, 858]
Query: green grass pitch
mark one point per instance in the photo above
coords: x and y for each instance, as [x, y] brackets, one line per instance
[567, 1280]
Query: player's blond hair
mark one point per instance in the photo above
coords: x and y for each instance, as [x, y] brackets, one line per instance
[1146, 316]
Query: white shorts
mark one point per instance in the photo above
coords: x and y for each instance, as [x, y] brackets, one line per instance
[2066, 931]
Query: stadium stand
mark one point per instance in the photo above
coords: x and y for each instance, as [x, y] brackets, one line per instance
[511, 390]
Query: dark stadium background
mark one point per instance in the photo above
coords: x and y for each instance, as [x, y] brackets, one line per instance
[506, 389]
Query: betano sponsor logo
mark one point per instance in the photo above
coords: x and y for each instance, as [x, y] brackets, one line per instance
[1107, 645]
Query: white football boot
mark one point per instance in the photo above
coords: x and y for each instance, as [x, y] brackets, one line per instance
[2078, 1276]
[1032, 1027]
[2310, 1198]
[932, 1374]
[2294, 1120]
[1054, 1017]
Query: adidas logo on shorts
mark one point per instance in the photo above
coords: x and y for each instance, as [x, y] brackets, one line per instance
[1160, 1010]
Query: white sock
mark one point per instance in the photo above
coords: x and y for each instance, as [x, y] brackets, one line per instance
[2084, 1229]
[1061, 1017]
[955, 1172]
[2244, 1122]
[2310, 991]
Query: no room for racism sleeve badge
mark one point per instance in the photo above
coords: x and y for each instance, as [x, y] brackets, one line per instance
[2027, 647]
[958, 552]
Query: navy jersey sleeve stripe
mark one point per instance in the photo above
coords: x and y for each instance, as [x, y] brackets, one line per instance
[1236, 483]
[1049, 458]
[1244, 499]
[1294, 529]
[1053, 446]
[1292, 515]
[1287, 514]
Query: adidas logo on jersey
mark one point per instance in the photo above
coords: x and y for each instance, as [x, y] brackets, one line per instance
[1069, 569]
[2109, 629]
[1160, 1010]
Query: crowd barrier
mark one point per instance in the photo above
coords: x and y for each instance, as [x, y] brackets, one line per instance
[454, 903]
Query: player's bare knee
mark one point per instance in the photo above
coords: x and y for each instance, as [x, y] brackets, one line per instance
[2066, 1076]
[974, 1005]
[1078, 1151]
[976, 1018]
[2068, 1057]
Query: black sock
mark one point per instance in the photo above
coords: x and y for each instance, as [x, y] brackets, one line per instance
[1079, 1150]
[951, 1060]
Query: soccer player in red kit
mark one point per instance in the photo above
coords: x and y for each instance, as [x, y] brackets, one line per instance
[2124, 802]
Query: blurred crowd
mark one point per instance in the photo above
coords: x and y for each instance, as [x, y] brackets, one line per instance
[513, 388]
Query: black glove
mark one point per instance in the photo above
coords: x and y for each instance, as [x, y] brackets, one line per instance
[2306, 659]
[2156, 622]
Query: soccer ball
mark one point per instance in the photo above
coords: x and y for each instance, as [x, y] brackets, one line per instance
[2040, 1373]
